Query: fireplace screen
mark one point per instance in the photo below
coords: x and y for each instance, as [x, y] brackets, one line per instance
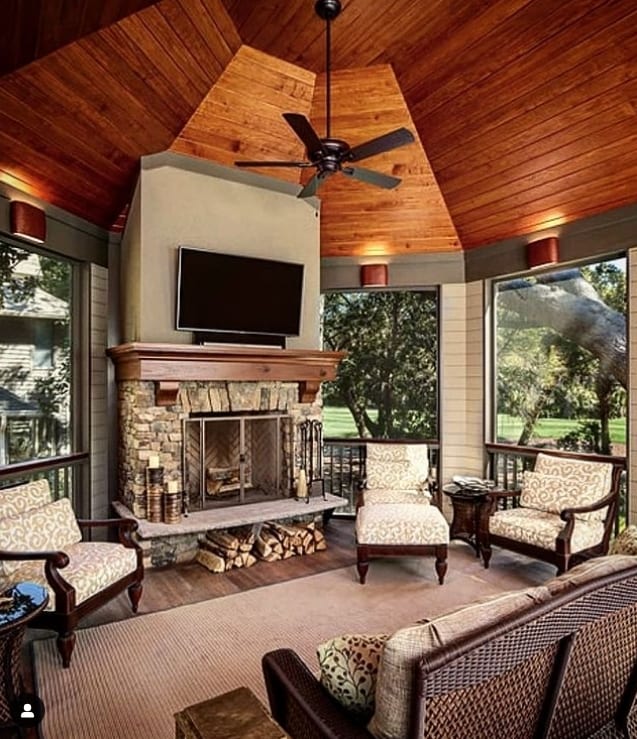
[231, 460]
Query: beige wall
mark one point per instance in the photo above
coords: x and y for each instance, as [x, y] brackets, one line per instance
[182, 202]
[461, 380]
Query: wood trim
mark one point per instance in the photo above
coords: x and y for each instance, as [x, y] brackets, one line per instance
[170, 364]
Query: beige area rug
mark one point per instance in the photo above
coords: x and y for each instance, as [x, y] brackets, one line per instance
[127, 679]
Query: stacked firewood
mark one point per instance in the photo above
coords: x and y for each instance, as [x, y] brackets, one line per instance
[220, 551]
[281, 541]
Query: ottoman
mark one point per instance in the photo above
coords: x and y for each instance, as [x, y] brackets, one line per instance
[401, 529]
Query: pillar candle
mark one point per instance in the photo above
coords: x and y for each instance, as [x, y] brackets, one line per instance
[301, 485]
[173, 486]
[153, 461]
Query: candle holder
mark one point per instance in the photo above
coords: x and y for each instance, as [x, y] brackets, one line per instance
[154, 493]
[172, 503]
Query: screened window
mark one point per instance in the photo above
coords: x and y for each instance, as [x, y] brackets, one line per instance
[387, 386]
[560, 359]
[35, 352]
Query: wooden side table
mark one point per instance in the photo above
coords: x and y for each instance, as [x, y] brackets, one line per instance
[28, 599]
[235, 715]
[467, 504]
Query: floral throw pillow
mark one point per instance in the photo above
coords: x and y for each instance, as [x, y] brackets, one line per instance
[349, 666]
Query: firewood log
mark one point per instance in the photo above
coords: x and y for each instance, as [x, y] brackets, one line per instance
[224, 540]
[261, 547]
[211, 561]
[250, 559]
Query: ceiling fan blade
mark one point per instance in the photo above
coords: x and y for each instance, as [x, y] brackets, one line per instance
[386, 142]
[311, 187]
[273, 164]
[303, 129]
[372, 178]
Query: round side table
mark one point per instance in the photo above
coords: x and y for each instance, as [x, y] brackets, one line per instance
[467, 504]
[28, 600]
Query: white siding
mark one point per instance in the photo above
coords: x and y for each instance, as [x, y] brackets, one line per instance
[461, 380]
[98, 402]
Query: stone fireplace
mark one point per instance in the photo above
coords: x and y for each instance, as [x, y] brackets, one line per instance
[224, 422]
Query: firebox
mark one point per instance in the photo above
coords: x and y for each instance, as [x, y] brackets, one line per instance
[236, 459]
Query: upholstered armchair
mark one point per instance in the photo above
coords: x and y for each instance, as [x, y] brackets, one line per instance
[394, 516]
[563, 514]
[41, 542]
[396, 473]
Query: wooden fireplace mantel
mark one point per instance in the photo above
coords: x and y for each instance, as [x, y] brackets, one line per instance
[170, 364]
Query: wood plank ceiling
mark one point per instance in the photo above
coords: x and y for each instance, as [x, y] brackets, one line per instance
[524, 109]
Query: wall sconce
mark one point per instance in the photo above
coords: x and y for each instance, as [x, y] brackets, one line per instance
[374, 275]
[27, 221]
[543, 252]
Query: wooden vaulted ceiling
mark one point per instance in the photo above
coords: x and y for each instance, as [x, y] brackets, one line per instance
[524, 110]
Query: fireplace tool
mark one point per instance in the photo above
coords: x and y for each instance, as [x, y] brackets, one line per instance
[311, 467]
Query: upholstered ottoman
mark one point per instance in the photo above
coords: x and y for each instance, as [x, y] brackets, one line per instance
[401, 529]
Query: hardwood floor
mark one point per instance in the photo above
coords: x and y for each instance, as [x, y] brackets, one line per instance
[190, 583]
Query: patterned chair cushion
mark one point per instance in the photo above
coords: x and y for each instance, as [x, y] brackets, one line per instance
[21, 498]
[553, 493]
[400, 523]
[541, 529]
[93, 566]
[50, 527]
[397, 466]
[380, 495]
[583, 482]
[404, 648]
[626, 542]
[349, 665]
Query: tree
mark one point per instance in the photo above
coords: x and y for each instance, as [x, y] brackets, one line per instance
[391, 365]
[579, 315]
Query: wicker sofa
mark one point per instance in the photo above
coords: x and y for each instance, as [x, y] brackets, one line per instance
[559, 660]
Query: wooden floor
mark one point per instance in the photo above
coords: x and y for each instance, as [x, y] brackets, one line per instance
[190, 583]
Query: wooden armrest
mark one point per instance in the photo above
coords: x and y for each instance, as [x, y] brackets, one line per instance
[568, 513]
[125, 528]
[122, 523]
[300, 704]
[504, 494]
[57, 558]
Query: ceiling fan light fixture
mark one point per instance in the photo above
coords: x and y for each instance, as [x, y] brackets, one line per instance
[330, 155]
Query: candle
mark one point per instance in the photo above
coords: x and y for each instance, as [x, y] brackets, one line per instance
[173, 486]
[301, 485]
[153, 461]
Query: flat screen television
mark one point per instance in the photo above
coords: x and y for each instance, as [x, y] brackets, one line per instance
[224, 297]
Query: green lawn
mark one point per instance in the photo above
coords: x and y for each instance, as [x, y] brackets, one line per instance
[338, 422]
[509, 428]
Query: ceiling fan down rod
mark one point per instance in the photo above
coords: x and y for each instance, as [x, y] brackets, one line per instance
[328, 10]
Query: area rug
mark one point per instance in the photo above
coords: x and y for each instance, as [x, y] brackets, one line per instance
[128, 679]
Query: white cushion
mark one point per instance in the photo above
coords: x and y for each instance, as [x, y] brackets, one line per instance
[21, 498]
[50, 527]
[93, 566]
[392, 495]
[401, 523]
[541, 528]
[394, 685]
[397, 466]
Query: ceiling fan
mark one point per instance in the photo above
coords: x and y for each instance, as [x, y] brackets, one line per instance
[329, 155]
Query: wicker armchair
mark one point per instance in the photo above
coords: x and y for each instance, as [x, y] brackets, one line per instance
[564, 513]
[41, 542]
